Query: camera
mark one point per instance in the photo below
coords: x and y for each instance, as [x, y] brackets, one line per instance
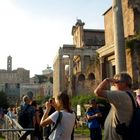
[50, 101]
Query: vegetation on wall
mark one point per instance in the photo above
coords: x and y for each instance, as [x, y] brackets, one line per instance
[133, 42]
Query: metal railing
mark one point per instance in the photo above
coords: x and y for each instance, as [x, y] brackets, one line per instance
[12, 130]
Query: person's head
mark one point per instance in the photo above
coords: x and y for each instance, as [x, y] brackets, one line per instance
[52, 100]
[124, 81]
[93, 103]
[30, 95]
[10, 109]
[63, 101]
[26, 99]
[34, 103]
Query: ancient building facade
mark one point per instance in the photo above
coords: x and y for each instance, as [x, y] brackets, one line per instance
[100, 62]
[29, 88]
[74, 65]
[19, 75]
[11, 80]
[131, 19]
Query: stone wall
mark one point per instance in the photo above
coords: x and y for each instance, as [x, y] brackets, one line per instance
[56, 77]
[131, 19]
[109, 36]
[128, 19]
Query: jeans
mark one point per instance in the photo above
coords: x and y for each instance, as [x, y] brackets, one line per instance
[95, 134]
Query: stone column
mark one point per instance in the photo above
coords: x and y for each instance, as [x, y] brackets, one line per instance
[119, 42]
[61, 72]
[70, 65]
[70, 73]
[102, 68]
[82, 63]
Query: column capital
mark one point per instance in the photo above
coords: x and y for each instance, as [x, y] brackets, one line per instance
[101, 60]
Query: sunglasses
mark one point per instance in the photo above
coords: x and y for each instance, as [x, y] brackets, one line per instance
[119, 81]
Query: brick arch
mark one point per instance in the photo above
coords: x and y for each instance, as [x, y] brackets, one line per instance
[91, 76]
[81, 77]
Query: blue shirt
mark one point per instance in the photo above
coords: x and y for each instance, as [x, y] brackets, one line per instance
[94, 123]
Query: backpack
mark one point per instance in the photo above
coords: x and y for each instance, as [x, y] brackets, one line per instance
[130, 132]
[23, 116]
[134, 126]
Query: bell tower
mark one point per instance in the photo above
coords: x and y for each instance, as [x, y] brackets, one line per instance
[9, 63]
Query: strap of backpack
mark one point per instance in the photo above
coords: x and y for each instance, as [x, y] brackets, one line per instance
[132, 99]
[57, 122]
[133, 103]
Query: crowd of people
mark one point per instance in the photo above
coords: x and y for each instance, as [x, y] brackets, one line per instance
[44, 119]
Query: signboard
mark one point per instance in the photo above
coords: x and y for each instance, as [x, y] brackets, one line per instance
[78, 110]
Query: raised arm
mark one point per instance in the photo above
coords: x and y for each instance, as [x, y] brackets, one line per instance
[103, 86]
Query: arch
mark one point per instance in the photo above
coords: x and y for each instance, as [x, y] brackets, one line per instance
[91, 76]
[81, 77]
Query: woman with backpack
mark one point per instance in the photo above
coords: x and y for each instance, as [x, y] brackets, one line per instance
[65, 123]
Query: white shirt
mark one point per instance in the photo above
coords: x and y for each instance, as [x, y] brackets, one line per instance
[64, 129]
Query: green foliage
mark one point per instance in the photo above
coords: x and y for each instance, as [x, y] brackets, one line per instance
[41, 99]
[133, 42]
[47, 98]
[82, 130]
[3, 100]
[81, 100]
[84, 99]
[2, 138]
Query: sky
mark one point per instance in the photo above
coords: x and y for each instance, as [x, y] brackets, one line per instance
[31, 31]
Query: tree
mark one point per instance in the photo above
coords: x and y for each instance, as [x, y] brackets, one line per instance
[3, 100]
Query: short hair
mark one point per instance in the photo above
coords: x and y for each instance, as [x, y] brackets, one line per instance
[92, 101]
[25, 98]
[34, 103]
[125, 77]
[30, 95]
